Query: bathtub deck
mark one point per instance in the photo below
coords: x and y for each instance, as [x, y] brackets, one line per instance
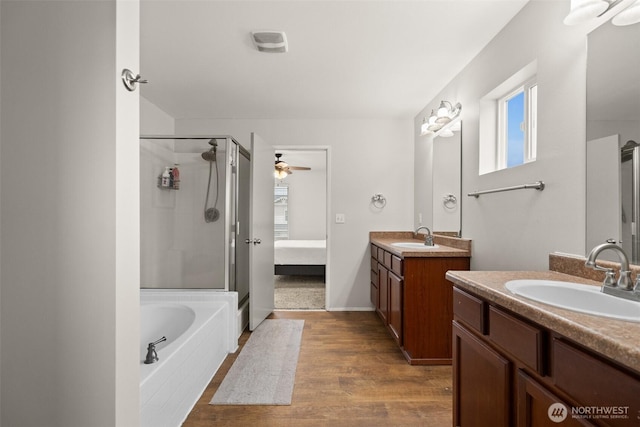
[350, 372]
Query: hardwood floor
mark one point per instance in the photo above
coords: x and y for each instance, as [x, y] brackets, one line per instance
[350, 373]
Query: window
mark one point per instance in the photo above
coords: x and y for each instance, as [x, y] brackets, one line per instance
[508, 122]
[517, 126]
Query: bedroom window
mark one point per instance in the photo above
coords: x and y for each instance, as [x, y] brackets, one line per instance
[281, 212]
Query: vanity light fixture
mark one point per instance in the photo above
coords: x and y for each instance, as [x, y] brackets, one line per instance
[583, 11]
[445, 132]
[440, 123]
[629, 16]
[445, 112]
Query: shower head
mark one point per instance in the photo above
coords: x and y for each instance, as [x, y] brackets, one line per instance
[213, 142]
[210, 156]
[626, 151]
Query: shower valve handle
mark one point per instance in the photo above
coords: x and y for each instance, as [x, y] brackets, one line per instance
[131, 80]
[254, 241]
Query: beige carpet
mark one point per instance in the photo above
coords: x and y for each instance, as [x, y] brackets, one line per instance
[299, 293]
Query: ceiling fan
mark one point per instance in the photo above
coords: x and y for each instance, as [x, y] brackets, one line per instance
[282, 169]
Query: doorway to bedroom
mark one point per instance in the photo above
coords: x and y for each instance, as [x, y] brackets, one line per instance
[300, 229]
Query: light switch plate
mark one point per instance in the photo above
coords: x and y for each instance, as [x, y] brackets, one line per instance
[340, 218]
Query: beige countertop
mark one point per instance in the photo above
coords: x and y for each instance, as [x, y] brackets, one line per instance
[447, 246]
[616, 339]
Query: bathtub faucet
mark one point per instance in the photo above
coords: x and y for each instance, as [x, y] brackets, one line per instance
[152, 355]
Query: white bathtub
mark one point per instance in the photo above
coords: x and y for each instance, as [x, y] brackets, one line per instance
[200, 327]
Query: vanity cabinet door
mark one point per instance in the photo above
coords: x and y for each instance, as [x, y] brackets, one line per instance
[481, 382]
[538, 407]
[383, 293]
[395, 307]
[374, 284]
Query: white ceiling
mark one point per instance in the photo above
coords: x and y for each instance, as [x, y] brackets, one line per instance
[346, 59]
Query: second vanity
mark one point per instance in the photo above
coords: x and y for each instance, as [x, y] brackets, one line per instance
[518, 362]
[411, 295]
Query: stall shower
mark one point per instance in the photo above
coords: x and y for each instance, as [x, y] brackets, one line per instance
[192, 217]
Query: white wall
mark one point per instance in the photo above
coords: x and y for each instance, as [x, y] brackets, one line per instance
[153, 120]
[366, 157]
[517, 230]
[69, 219]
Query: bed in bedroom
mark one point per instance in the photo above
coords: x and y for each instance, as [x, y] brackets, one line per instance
[300, 257]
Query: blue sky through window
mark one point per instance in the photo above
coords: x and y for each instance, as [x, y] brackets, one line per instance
[515, 131]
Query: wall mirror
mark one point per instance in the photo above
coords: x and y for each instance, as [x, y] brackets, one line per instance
[613, 138]
[447, 181]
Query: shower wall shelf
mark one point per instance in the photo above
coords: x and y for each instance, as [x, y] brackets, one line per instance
[160, 186]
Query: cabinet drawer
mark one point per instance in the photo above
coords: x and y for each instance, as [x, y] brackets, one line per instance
[593, 382]
[396, 265]
[380, 256]
[374, 294]
[374, 251]
[387, 260]
[469, 309]
[522, 340]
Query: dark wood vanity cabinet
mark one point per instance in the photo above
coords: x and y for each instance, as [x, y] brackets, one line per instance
[510, 371]
[482, 379]
[413, 299]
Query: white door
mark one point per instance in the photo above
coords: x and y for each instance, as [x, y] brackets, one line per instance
[261, 232]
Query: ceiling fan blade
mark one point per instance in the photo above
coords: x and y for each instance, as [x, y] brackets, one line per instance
[300, 168]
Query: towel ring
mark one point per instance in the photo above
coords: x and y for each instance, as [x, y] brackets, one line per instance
[450, 201]
[378, 200]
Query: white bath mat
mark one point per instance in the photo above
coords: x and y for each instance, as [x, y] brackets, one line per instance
[265, 370]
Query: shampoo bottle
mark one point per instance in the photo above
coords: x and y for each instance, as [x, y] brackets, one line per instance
[166, 177]
[176, 177]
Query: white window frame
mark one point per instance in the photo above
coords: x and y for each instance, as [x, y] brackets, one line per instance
[492, 141]
[530, 89]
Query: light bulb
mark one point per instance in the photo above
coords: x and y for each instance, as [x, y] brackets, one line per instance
[629, 16]
[584, 10]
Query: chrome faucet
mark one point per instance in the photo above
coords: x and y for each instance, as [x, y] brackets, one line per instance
[152, 355]
[624, 286]
[428, 239]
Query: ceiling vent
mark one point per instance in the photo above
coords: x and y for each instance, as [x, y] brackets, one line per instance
[270, 41]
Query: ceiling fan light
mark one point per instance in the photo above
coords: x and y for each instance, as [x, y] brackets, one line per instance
[629, 16]
[280, 174]
[584, 10]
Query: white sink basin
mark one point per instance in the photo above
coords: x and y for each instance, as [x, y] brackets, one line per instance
[414, 245]
[576, 297]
